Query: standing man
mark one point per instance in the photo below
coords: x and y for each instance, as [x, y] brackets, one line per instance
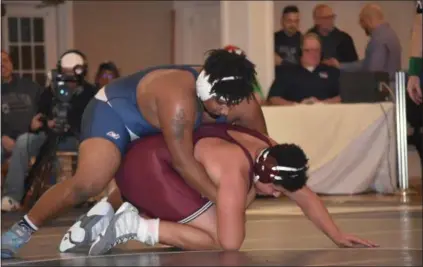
[335, 43]
[415, 81]
[287, 40]
[383, 51]
[415, 68]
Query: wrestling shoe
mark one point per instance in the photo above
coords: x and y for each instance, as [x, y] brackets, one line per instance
[126, 225]
[87, 228]
[14, 239]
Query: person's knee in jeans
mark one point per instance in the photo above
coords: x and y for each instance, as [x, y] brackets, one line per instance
[27, 145]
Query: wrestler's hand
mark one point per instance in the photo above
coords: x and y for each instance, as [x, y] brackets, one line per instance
[350, 241]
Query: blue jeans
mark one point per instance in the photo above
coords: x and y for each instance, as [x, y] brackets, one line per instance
[27, 145]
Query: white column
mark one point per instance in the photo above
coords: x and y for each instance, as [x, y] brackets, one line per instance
[249, 25]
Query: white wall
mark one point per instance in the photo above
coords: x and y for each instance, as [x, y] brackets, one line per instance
[197, 29]
[133, 34]
[400, 14]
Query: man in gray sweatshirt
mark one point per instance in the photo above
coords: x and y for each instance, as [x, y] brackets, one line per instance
[19, 99]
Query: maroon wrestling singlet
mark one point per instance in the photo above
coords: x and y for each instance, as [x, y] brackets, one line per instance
[148, 181]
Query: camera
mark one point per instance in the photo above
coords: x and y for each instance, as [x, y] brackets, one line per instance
[62, 95]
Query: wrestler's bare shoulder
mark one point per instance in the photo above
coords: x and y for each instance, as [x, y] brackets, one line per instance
[166, 80]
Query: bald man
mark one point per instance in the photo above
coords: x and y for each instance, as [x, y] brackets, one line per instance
[335, 43]
[383, 51]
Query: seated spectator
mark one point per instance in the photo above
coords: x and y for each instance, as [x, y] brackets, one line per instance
[258, 93]
[383, 51]
[335, 43]
[106, 73]
[28, 145]
[307, 83]
[287, 40]
[19, 98]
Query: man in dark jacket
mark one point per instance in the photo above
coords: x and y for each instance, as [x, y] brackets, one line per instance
[335, 43]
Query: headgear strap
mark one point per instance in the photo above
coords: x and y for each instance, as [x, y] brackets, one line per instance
[204, 88]
[262, 158]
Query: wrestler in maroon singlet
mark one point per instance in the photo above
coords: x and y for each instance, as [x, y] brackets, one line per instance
[147, 180]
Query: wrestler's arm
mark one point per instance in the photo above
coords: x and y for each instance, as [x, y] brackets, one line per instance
[232, 194]
[251, 116]
[177, 114]
[313, 207]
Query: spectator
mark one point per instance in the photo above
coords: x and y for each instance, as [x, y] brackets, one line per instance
[415, 69]
[307, 83]
[106, 73]
[383, 51]
[287, 40]
[335, 43]
[19, 97]
[29, 144]
[414, 85]
[258, 93]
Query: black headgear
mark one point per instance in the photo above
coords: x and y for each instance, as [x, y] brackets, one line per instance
[284, 165]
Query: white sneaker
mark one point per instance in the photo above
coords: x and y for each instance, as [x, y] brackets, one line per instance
[88, 227]
[126, 225]
[9, 204]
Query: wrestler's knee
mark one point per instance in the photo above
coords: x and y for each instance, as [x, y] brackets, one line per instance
[83, 190]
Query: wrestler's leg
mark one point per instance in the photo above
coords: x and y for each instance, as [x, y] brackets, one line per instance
[98, 161]
[113, 195]
[199, 234]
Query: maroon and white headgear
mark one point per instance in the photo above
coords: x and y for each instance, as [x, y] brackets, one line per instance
[284, 164]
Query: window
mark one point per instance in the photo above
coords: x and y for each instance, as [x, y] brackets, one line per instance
[28, 33]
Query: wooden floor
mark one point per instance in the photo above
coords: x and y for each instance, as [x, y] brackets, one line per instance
[277, 234]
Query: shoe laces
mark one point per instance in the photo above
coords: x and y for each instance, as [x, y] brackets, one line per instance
[123, 239]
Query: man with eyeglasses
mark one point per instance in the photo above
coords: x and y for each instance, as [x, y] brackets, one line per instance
[335, 43]
[309, 82]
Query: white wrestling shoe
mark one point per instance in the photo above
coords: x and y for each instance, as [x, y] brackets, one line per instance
[126, 225]
[88, 227]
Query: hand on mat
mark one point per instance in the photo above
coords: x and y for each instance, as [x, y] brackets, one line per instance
[350, 241]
